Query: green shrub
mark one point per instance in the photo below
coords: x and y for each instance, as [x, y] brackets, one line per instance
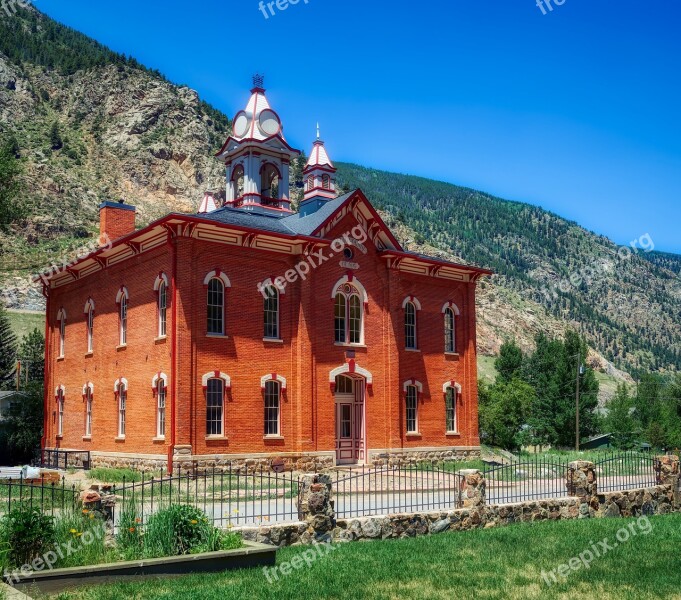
[129, 538]
[28, 533]
[178, 529]
[87, 530]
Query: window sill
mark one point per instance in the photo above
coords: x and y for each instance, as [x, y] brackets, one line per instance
[87, 438]
[453, 434]
[412, 350]
[273, 437]
[89, 354]
[273, 340]
[159, 439]
[60, 436]
[217, 335]
[414, 434]
[121, 347]
[455, 354]
[119, 438]
[160, 338]
[216, 438]
[60, 358]
[348, 345]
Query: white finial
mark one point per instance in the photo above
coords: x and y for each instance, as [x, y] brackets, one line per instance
[318, 136]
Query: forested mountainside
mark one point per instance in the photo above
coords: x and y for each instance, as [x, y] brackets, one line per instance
[88, 124]
[627, 302]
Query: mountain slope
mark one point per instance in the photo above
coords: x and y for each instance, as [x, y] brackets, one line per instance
[124, 131]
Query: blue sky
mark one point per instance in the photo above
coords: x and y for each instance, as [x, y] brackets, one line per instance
[577, 110]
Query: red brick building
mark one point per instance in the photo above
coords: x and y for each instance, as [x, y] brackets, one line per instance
[251, 332]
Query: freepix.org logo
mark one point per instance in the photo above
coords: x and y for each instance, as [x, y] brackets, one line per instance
[268, 8]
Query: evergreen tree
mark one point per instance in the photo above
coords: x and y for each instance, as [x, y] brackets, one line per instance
[11, 210]
[510, 361]
[8, 351]
[503, 413]
[620, 421]
[24, 427]
[56, 141]
[32, 357]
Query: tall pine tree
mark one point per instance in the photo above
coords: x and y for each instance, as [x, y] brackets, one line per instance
[8, 351]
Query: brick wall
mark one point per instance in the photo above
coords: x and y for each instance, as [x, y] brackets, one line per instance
[305, 357]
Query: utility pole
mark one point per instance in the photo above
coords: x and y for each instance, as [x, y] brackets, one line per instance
[579, 369]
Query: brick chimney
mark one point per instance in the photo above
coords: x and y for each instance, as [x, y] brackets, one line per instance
[116, 219]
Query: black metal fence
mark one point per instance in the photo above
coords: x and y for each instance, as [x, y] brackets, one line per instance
[64, 459]
[367, 491]
[227, 497]
[532, 479]
[50, 497]
[626, 471]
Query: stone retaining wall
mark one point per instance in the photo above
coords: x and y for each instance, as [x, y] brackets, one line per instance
[320, 524]
[399, 458]
[657, 500]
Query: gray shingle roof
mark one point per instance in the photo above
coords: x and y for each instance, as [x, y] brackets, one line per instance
[306, 225]
[291, 225]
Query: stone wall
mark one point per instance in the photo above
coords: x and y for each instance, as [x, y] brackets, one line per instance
[188, 463]
[319, 522]
[398, 458]
[649, 501]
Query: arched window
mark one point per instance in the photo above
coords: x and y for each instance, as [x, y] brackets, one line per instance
[269, 177]
[412, 409]
[348, 314]
[326, 182]
[162, 309]
[61, 318]
[122, 300]
[121, 391]
[271, 312]
[238, 181]
[216, 306]
[215, 400]
[88, 393]
[450, 332]
[451, 392]
[59, 396]
[90, 324]
[272, 407]
[450, 312]
[410, 326]
[160, 408]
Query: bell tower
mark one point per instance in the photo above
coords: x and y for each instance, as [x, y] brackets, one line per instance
[257, 158]
[319, 177]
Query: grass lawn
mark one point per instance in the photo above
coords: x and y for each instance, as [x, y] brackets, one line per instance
[504, 563]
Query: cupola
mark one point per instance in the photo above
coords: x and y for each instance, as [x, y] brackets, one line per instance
[257, 158]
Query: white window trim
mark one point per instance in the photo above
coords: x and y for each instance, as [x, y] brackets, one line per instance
[60, 399]
[410, 300]
[416, 430]
[278, 314]
[272, 377]
[456, 386]
[61, 319]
